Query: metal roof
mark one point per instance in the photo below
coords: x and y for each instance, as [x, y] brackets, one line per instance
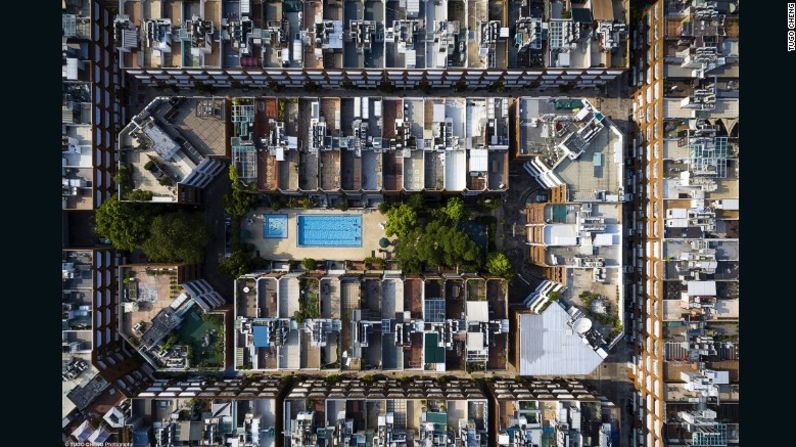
[549, 346]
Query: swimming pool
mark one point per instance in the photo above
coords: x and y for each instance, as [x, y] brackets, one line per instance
[275, 226]
[340, 230]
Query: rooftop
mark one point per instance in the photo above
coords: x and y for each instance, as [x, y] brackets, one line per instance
[172, 142]
[371, 143]
[372, 34]
[572, 143]
[287, 322]
[556, 343]
[211, 421]
[167, 317]
[77, 151]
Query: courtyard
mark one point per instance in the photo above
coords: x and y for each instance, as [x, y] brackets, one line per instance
[284, 244]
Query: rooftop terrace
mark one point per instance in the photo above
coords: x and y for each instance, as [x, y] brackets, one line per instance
[172, 142]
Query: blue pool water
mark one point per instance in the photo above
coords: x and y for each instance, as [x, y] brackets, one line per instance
[275, 226]
[340, 230]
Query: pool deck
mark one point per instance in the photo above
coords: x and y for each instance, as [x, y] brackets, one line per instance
[288, 249]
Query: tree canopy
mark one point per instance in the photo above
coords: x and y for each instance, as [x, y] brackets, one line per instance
[400, 220]
[240, 199]
[236, 265]
[176, 237]
[454, 209]
[436, 245]
[498, 264]
[125, 224]
[416, 201]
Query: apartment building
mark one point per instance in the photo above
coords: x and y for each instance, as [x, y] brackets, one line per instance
[551, 412]
[287, 322]
[574, 234]
[172, 150]
[686, 106]
[385, 412]
[332, 43]
[89, 117]
[175, 320]
[232, 412]
[93, 357]
[371, 145]
[350, 322]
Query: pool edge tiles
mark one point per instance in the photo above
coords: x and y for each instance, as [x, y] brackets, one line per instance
[318, 230]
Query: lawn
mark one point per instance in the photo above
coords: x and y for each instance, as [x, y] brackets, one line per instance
[205, 334]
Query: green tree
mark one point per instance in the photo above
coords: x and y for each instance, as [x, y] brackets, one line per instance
[309, 263]
[125, 224]
[240, 199]
[454, 209]
[384, 207]
[498, 264]
[400, 220]
[436, 245]
[176, 237]
[456, 247]
[416, 201]
[236, 265]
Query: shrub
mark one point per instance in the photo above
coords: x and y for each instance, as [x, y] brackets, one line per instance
[498, 264]
[139, 195]
[239, 199]
[309, 263]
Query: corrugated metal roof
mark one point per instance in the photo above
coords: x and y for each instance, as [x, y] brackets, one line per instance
[548, 346]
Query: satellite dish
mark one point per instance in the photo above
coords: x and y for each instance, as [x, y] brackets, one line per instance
[246, 290]
[582, 325]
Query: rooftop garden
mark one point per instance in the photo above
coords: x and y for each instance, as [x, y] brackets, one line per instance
[204, 335]
[600, 309]
[309, 300]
